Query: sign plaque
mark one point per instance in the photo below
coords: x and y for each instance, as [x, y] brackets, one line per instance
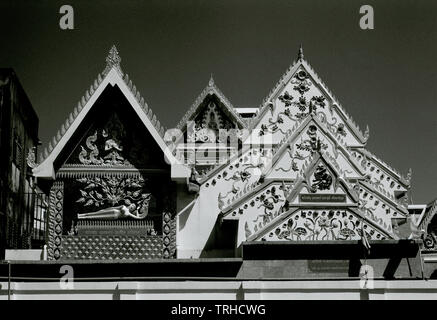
[322, 197]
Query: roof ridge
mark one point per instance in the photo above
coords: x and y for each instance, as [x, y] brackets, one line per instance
[144, 106]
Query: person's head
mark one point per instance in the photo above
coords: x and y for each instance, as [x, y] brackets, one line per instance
[132, 207]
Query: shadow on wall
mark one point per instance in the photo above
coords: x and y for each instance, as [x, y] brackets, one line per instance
[222, 240]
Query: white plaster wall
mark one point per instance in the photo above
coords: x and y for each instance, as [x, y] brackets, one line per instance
[196, 225]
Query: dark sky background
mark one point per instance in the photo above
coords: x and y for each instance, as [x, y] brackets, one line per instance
[386, 77]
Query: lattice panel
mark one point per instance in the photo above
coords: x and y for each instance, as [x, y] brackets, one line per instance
[111, 247]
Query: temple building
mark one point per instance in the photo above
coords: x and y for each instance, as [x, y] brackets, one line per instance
[297, 170]
[288, 190]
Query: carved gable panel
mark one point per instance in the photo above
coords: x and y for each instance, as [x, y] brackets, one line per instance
[298, 98]
[112, 135]
[301, 149]
[329, 224]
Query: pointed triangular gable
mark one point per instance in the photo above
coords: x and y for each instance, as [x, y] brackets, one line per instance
[298, 93]
[111, 76]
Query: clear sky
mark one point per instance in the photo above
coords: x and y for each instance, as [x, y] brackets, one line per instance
[386, 77]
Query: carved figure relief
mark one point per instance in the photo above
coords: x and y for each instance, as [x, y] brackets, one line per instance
[208, 123]
[112, 151]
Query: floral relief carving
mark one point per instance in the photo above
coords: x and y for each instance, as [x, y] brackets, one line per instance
[272, 205]
[301, 81]
[286, 98]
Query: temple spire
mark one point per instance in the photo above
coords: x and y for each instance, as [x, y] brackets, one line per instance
[300, 54]
[211, 81]
[113, 59]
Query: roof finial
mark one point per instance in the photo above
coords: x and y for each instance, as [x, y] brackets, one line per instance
[211, 81]
[112, 60]
[300, 54]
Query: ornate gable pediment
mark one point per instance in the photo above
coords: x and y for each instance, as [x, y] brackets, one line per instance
[112, 77]
[314, 224]
[208, 122]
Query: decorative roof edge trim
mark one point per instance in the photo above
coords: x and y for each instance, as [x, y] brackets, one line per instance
[404, 180]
